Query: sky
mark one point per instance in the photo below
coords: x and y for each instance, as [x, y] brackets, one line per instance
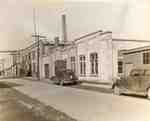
[125, 18]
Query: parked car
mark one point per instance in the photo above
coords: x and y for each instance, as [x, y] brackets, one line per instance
[138, 82]
[66, 76]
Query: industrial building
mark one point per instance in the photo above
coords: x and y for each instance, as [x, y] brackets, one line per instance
[87, 56]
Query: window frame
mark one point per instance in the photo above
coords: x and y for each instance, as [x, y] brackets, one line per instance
[82, 61]
[146, 57]
[73, 63]
[33, 55]
[94, 64]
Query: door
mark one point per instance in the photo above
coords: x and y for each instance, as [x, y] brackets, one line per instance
[46, 69]
[135, 78]
[145, 80]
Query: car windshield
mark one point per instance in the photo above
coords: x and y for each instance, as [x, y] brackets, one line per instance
[137, 72]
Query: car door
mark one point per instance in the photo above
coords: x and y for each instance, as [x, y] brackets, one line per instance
[136, 83]
[145, 81]
[134, 80]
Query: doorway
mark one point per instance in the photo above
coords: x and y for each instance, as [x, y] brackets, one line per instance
[46, 69]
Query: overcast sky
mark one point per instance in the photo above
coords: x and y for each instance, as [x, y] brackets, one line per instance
[125, 18]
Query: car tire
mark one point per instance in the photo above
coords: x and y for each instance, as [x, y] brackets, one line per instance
[116, 90]
[148, 93]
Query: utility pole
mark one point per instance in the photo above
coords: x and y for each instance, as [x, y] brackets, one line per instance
[37, 38]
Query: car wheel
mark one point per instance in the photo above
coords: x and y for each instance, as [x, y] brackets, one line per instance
[116, 90]
[148, 93]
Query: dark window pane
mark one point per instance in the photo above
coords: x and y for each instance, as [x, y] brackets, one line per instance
[120, 67]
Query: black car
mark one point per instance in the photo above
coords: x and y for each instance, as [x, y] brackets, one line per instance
[66, 76]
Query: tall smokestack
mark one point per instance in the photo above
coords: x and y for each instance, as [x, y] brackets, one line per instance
[64, 28]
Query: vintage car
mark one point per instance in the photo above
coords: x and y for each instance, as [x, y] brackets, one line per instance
[66, 76]
[138, 82]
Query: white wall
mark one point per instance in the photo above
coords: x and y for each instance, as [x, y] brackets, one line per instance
[103, 47]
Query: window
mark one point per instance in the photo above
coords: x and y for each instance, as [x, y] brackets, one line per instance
[33, 55]
[73, 63]
[146, 58]
[23, 59]
[43, 49]
[14, 59]
[82, 65]
[29, 55]
[46, 69]
[94, 63]
[34, 67]
[26, 57]
[120, 66]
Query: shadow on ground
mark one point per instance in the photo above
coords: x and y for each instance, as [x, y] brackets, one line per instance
[135, 96]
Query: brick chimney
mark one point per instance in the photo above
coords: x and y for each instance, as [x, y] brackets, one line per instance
[64, 28]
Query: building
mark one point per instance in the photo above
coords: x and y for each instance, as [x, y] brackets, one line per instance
[87, 56]
[21, 62]
[120, 45]
[8, 63]
[57, 50]
[134, 57]
[28, 59]
[93, 52]
[93, 57]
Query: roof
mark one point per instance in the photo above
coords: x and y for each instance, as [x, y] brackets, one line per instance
[8, 51]
[52, 43]
[142, 66]
[93, 33]
[137, 50]
[130, 40]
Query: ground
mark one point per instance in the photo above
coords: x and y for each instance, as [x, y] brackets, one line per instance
[15, 106]
[42, 101]
[92, 88]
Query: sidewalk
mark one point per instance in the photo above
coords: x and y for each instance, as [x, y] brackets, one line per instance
[86, 105]
[88, 85]
[97, 84]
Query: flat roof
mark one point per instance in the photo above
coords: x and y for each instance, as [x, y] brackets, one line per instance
[130, 40]
[136, 50]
